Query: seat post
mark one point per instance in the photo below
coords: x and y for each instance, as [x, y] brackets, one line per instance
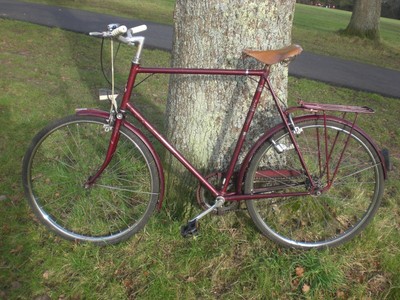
[267, 71]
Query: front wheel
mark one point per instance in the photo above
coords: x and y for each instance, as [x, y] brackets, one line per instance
[330, 216]
[60, 160]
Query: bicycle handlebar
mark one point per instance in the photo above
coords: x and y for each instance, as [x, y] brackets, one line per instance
[119, 30]
[138, 29]
[125, 36]
[114, 30]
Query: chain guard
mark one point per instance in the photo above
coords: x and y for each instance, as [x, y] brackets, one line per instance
[205, 199]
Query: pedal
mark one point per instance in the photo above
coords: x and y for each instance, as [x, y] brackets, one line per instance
[190, 229]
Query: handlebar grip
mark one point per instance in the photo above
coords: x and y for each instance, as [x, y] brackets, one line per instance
[118, 31]
[96, 33]
[138, 29]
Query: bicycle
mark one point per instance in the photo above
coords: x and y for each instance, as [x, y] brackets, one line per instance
[313, 181]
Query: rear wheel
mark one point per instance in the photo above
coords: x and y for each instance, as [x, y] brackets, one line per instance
[59, 162]
[330, 216]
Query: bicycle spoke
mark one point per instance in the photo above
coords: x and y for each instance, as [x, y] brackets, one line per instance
[116, 206]
[125, 189]
[334, 211]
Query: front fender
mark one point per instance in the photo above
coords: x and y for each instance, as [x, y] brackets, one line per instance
[271, 132]
[143, 138]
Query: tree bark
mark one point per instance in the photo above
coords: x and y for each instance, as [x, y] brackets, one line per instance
[365, 19]
[205, 113]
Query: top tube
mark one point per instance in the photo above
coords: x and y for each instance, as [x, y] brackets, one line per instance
[194, 71]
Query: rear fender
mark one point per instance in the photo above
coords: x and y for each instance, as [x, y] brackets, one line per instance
[274, 130]
[143, 138]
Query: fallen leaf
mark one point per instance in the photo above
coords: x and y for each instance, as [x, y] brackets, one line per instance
[17, 250]
[16, 285]
[306, 288]
[295, 283]
[42, 297]
[6, 228]
[340, 295]
[127, 283]
[46, 274]
[299, 272]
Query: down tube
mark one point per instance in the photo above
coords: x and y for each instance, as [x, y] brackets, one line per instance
[171, 149]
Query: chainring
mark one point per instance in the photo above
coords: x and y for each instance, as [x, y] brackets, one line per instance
[205, 199]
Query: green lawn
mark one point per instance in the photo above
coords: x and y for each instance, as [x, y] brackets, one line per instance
[41, 80]
[160, 11]
[315, 28]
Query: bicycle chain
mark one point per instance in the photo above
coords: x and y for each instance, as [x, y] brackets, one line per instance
[237, 205]
[205, 202]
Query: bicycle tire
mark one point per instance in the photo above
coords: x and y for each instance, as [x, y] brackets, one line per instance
[59, 161]
[317, 221]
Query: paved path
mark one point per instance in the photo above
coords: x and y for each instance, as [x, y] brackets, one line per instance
[323, 68]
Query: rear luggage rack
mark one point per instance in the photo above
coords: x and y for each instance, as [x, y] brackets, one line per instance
[316, 107]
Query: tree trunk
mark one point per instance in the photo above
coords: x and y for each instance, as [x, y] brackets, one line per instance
[205, 113]
[365, 19]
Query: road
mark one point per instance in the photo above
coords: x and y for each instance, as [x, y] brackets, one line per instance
[327, 69]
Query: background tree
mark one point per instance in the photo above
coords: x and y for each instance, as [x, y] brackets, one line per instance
[365, 19]
[205, 115]
[391, 9]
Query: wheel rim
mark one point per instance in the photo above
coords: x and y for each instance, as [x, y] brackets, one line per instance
[108, 210]
[338, 213]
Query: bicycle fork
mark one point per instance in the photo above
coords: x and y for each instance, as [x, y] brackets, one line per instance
[110, 152]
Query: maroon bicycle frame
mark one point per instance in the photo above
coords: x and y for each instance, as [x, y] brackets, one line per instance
[263, 82]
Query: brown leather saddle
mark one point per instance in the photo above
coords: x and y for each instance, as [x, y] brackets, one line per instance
[270, 57]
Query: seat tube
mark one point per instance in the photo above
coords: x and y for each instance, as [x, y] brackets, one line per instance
[245, 128]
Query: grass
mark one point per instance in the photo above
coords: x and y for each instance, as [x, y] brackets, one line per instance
[142, 10]
[315, 28]
[229, 260]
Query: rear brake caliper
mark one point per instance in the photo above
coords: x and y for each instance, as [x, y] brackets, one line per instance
[296, 130]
